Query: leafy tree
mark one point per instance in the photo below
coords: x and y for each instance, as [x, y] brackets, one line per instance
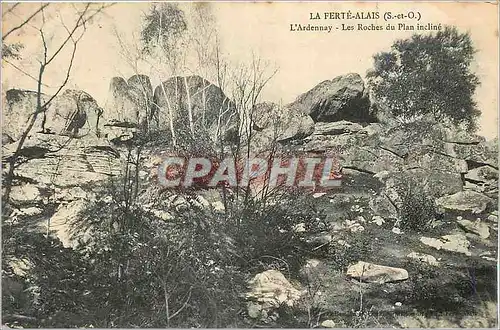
[164, 25]
[428, 75]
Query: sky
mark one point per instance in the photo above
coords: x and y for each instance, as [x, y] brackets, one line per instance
[303, 59]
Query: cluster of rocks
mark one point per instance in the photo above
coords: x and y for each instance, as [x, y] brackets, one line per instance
[75, 144]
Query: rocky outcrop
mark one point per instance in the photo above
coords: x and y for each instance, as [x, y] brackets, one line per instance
[130, 101]
[71, 113]
[342, 98]
[372, 273]
[193, 102]
[63, 161]
[476, 227]
[268, 291]
[54, 178]
[454, 243]
[337, 128]
[272, 123]
[422, 257]
[478, 154]
[464, 201]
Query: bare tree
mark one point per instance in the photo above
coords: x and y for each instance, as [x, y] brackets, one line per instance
[49, 54]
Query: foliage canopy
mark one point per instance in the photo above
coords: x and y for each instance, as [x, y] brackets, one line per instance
[428, 75]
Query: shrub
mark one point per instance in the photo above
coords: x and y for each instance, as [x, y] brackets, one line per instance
[415, 208]
[265, 232]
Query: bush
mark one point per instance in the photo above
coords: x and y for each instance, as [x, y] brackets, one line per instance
[265, 232]
[415, 208]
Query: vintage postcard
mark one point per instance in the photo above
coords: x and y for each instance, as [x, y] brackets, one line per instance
[249, 164]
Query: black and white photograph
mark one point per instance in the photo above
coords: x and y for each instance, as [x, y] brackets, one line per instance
[232, 164]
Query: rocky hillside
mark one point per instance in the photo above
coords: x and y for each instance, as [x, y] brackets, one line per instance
[376, 243]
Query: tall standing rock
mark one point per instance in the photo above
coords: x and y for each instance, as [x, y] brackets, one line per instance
[119, 105]
[193, 102]
[342, 98]
[141, 92]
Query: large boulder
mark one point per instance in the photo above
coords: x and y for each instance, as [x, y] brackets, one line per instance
[464, 201]
[477, 227]
[271, 123]
[372, 273]
[342, 98]
[130, 101]
[268, 291]
[453, 243]
[71, 113]
[210, 109]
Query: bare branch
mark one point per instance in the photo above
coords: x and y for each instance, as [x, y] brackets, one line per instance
[68, 71]
[24, 72]
[82, 21]
[26, 21]
[10, 9]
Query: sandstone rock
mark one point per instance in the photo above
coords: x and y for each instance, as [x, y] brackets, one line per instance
[372, 273]
[454, 243]
[464, 201]
[482, 174]
[396, 231]
[71, 113]
[434, 182]
[476, 155]
[381, 204]
[269, 290]
[299, 228]
[119, 105]
[320, 239]
[272, 123]
[218, 206]
[343, 98]
[328, 324]
[321, 143]
[130, 101]
[212, 111]
[427, 258]
[378, 220]
[476, 227]
[63, 161]
[164, 215]
[434, 161]
[61, 221]
[70, 194]
[28, 211]
[25, 193]
[141, 91]
[369, 159]
[265, 115]
[493, 218]
[337, 128]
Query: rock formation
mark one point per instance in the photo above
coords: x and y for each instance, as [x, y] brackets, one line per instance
[72, 113]
[193, 103]
[130, 101]
[342, 98]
